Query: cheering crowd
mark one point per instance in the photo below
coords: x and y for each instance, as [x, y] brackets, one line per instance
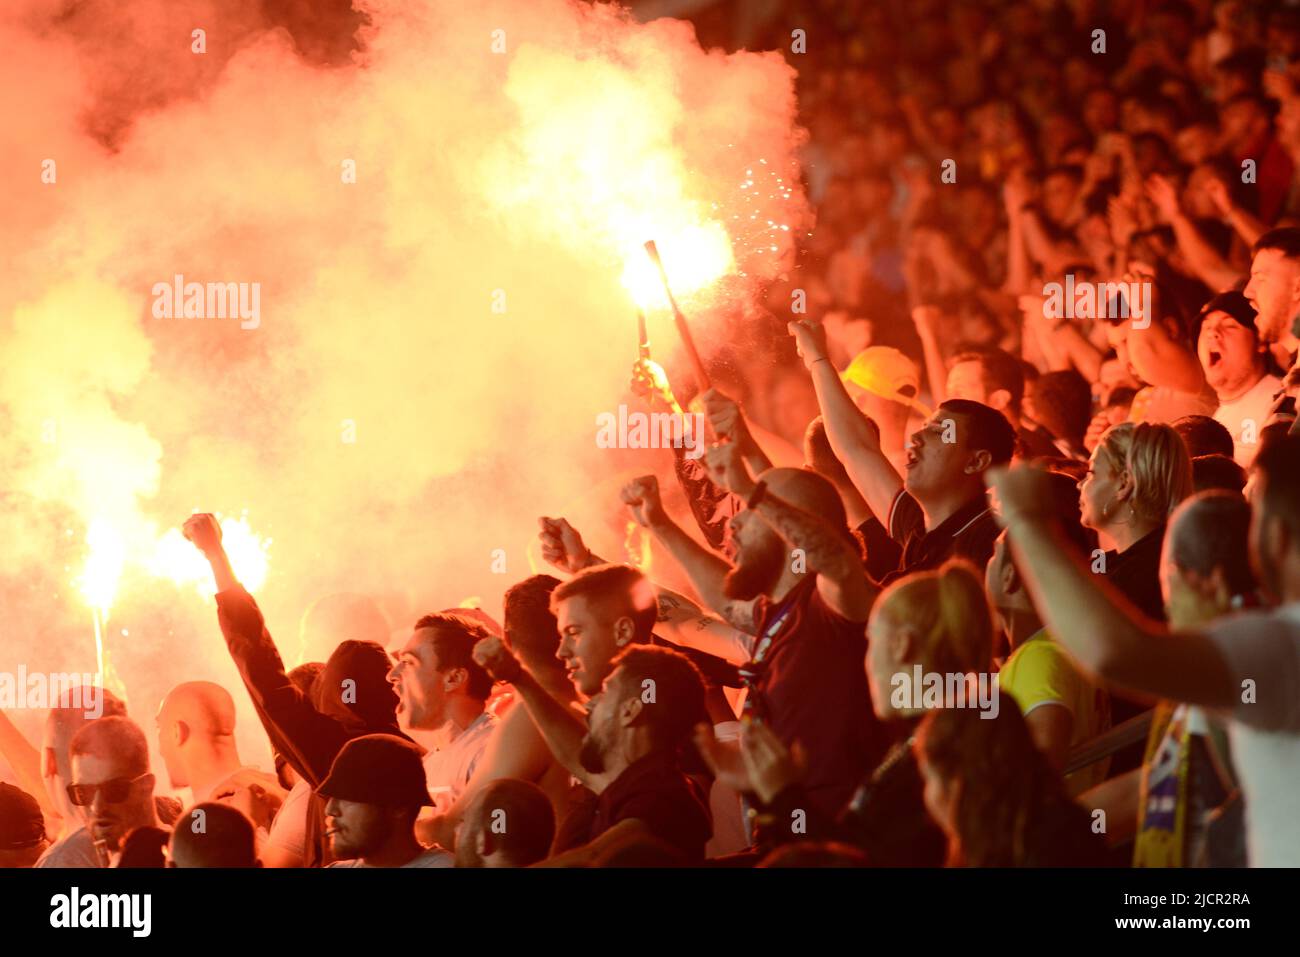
[1031, 597]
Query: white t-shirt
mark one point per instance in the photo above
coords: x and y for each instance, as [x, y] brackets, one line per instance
[288, 833]
[448, 767]
[1263, 648]
[75, 850]
[430, 858]
[1245, 416]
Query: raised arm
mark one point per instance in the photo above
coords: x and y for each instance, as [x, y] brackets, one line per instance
[308, 739]
[926, 319]
[852, 439]
[1097, 625]
[560, 727]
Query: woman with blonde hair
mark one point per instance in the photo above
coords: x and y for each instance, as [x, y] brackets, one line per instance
[1139, 473]
[931, 625]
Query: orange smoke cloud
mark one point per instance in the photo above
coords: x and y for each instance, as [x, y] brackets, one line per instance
[444, 216]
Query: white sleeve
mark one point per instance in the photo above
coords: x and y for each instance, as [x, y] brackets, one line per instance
[1263, 652]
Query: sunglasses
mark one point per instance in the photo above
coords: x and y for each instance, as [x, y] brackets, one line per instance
[115, 790]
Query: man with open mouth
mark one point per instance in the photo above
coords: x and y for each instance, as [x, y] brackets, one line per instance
[1236, 367]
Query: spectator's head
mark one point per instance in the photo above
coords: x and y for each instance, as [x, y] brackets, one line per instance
[1274, 287]
[651, 701]
[993, 377]
[600, 612]
[373, 794]
[1002, 579]
[435, 675]
[531, 630]
[936, 619]
[950, 453]
[144, 847]
[1218, 472]
[22, 828]
[353, 687]
[1060, 189]
[111, 779]
[510, 823]
[213, 835]
[1203, 435]
[1275, 518]
[196, 730]
[337, 618]
[762, 557]
[1205, 565]
[819, 457]
[75, 709]
[985, 783]
[1115, 382]
[1061, 402]
[1100, 110]
[1138, 474]
[1227, 344]
[1245, 117]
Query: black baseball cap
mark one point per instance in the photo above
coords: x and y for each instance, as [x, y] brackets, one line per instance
[380, 769]
[22, 825]
[1233, 304]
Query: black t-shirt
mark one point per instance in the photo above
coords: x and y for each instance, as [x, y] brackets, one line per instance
[655, 791]
[967, 533]
[1136, 573]
[810, 677]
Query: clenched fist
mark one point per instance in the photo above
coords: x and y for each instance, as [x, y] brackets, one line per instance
[204, 531]
[810, 338]
[497, 660]
[562, 546]
[641, 496]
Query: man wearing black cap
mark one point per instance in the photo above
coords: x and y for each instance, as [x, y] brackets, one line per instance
[1235, 364]
[373, 794]
[22, 828]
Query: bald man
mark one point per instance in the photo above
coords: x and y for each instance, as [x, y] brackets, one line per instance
[798, 587]
[196, 738]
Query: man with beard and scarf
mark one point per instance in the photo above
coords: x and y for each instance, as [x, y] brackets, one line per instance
[797, 584]
[1244, 666]
[351, 696]
[629, 752]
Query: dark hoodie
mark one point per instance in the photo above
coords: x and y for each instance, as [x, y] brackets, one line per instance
[351, 697]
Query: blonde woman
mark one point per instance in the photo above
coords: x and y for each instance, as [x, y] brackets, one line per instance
[1138, 475]
[937, 622]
